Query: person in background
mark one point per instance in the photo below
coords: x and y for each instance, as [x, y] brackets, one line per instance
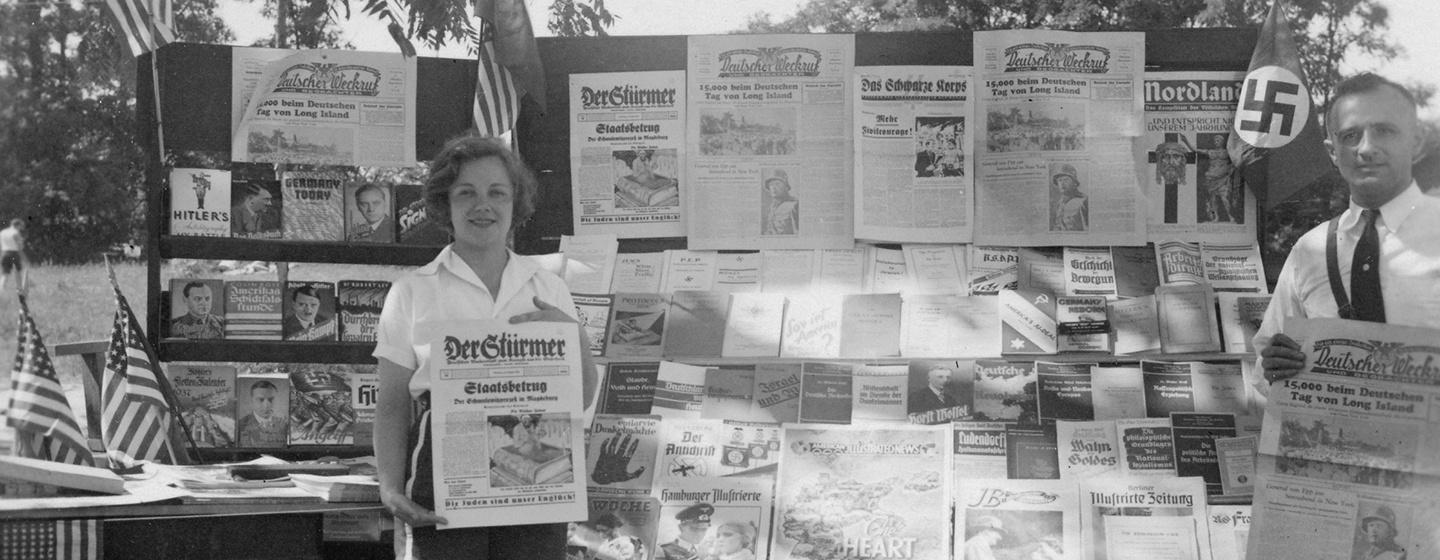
[255, 214]
[12, 256]
[263, 427]
[1072, 207]
[1390, 229]
[935, 395]
[782, 215]
[198, 321]
[694, 524]
[481, 192]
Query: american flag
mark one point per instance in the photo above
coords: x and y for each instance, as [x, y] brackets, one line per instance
[134, 415]
[51, 538]
[146, 25]
[45, 425]
[497, 103]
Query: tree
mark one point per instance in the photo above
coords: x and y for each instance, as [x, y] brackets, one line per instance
[70, 160]
[310, 24]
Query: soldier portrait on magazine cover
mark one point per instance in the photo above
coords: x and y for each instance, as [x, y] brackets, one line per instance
[1376, 531]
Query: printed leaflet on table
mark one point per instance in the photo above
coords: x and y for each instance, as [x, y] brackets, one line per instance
[326, 107]
[913, 174]
[1060, 149]
[508, 440]
[768, 142]
[627, 153]
[1348, 450]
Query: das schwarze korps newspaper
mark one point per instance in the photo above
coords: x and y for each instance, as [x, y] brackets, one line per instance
[1058, 151]
[856, 492]
[1349, 450]
[325, 107]
[913, 170]
[768, 142]
[506, 422]
[627, 152]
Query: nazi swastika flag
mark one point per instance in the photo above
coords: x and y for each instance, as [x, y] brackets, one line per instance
[1276, 140]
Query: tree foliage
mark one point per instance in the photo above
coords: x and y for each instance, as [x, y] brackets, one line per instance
[70, 160]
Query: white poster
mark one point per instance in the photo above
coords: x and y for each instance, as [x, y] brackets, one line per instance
[768, 142]
[627, 153]
[914, 174]
[506, 422]
[1059, 142]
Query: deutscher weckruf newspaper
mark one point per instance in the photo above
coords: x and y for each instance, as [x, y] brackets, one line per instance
[627, 153]
[1144, 519]
[853, 492]
[1349, 451]
[326, 107]
[1194, 190]
[914, 175]
[1023, 519]
[768, 149]
[506, 422]
[1060, 142]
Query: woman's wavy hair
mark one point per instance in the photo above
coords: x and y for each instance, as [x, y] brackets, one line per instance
[457, 152]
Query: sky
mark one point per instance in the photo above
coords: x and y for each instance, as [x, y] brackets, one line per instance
[1413, 24]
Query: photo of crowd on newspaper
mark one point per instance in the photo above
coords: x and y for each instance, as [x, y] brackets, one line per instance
[1035, 127]
[938, 142]
[1013, 535]
[301, 144]
[1347, 450]
[748, 131]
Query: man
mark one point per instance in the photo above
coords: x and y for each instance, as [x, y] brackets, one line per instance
[986, 533]
[694, 523]
[198, 322]
[305, 322]
[253, 214]
[1378, 531]
[375, 224]
[263, 427]
[935, 395]
[12, 255]
[1373, 136]
[782, 216]
[1072, 208]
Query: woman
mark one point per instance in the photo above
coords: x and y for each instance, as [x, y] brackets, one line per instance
[483, 192]
[734, 541]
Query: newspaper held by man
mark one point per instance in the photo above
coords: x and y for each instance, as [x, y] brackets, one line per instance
[1060, 138]
[509, 446]
[1349, 453]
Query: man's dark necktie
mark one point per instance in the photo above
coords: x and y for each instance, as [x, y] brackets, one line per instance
[1365, 273]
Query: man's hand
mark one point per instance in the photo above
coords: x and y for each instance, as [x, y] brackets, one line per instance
[1282, 359]
[547, 312]
[407, 511]
[615, 455]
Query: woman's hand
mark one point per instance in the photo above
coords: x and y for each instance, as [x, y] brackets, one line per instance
[409, 512]
[547, 312]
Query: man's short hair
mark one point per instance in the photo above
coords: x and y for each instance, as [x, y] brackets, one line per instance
[188, 285]
[306, 289]
[262, 384]
[371, 187]
[1362, 83]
